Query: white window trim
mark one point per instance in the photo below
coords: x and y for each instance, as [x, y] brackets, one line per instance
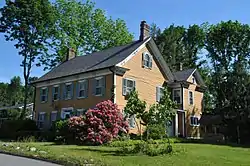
[134, 125]
[66, 98]
[81, 81]
[63, 109]
[80, 110]
[130, 79]
[55, 86]
[98, 78]
[46, 94]
[150, 57]
[179, 89]
[194, 125]
[189, 97]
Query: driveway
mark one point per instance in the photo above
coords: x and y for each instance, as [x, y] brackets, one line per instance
[8, 160]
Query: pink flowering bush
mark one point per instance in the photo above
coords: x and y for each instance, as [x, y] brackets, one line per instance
[104, 123]
[99, 125]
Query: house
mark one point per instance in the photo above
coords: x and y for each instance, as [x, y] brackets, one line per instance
[81, 82]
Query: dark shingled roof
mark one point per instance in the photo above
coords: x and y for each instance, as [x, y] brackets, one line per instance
[93, 61]
[183, 75]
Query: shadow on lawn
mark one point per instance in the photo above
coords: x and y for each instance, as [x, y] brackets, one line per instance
[104, 152]
[190, 141]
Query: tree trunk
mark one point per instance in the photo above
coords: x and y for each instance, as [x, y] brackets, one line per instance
[25, 99]
[238, 134]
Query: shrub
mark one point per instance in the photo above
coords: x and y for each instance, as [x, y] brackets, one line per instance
[155, 131]
[62, 134]
[104, 123]
[146, 148]
[11, 129]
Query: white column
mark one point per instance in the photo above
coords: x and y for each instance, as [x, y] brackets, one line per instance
[176, 124]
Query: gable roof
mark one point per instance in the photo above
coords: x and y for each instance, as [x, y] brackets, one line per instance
[94, 61]
[185, 74]
[102, 59]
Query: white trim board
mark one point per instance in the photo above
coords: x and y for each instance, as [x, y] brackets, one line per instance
[120, 64]
[72, 78]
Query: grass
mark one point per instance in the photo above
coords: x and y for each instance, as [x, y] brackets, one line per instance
[185, 154]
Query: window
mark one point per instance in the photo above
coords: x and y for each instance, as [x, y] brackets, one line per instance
[193, 80]
[131, 121]
[68, 91]
[98, 86]
[194, 121]
[190, 98]
[177, 96]
[55, 93]
[80, 112]
[128, 86]
[44, 94]
[82, 89]
[147, 60]
[40, 120]
[159, 93]
[53, 117]
[66, 113]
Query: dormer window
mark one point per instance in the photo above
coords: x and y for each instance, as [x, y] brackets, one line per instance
[147, 60]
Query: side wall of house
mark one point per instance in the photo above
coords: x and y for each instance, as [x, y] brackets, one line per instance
[192, 110]
[76, 103]
[146, 80]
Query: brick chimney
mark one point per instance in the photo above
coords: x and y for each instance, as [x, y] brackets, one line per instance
[144, 30]
[71, 53]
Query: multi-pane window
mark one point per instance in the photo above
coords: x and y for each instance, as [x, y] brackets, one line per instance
[68, 91]
[177, 96]
[66, 113]
[159, 93]
[98, 86]
[128, 86]
[190, 98]
[40, 120]
[55, 93]
[44, 94]
[80, 112]
[82, 89]
[53, 117]
[194, 121]
[147, 60]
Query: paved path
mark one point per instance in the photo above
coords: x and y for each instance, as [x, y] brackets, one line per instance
[8, 160]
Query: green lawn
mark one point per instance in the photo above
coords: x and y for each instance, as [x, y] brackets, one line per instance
[184, 155]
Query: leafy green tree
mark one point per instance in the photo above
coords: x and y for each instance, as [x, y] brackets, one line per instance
[15, 91]
[228, 46]
[26, 22]
[85, 29]
[3, 94]
[179, 44]
[135, 108]
[160, 113]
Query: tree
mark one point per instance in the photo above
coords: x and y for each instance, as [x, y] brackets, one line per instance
[85, 29]
[228, 46]
[135, 108]
[179, 44]
[26, 22]
[15, 91]
[3, 94]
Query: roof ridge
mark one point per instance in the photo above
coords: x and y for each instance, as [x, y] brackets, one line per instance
[128, 46]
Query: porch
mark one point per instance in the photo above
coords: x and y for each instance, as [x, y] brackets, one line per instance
[177, 127]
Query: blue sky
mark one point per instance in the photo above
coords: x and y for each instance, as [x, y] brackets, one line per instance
[161, 12]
